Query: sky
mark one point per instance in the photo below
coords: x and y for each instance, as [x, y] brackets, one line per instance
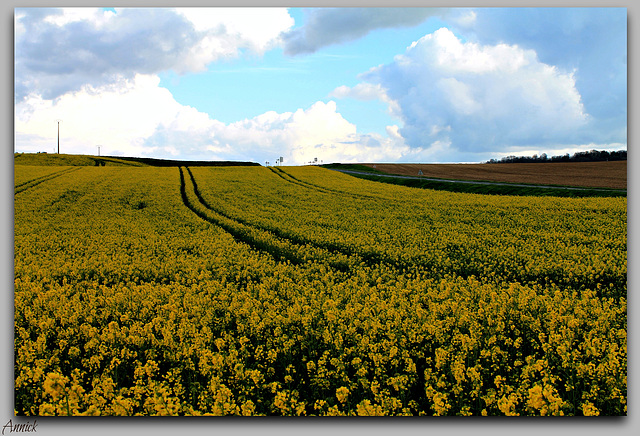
[320, 84]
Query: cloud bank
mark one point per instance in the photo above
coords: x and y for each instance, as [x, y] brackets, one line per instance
[97, 71]
[475, 98]
[502, 81]
[110, 118]
[62, 50]
[590, 41]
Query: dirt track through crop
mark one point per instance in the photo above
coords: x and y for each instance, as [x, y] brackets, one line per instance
[282, 246]
[35, 182]
[291, 179]
[279, 245]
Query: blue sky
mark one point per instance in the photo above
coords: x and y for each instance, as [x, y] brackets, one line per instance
[339, 85]
[281, 83]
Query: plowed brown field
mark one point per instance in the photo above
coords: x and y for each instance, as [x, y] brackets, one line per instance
[583, 174]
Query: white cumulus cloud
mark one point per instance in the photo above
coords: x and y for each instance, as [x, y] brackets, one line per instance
[317, 132]
[258, 29]
[477, 98]
[110, 117]
[367, 92]
[107, 116]
[590, 41]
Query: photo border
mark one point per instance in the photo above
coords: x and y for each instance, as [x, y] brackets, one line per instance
[308, 426]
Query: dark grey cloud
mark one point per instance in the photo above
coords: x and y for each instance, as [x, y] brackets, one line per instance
[52, 59]
[65, 50]
[328, 26]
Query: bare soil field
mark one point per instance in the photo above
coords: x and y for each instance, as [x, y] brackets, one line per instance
[582, 174]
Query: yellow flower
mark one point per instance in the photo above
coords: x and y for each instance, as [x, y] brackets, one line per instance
[440, 404]
[342, 393]
[536, 399]
[248, 408]
[588, 409]
[365, 408]
[507, 405]
[54, 385]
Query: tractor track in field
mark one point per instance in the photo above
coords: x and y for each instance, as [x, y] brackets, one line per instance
[291, 179]
[280, 245]
[35, 182]
[241, 230]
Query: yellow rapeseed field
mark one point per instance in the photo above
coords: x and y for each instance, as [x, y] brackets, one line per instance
[302, 291]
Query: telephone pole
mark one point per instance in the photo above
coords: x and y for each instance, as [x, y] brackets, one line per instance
[58, 121]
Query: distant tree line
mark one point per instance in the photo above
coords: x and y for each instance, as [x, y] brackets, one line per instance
[581, 156]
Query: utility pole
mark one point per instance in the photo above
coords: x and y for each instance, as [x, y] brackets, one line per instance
[58, 121]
